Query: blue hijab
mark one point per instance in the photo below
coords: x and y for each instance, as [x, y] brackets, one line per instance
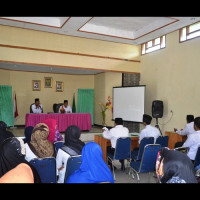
[27, 133]
[93, 169]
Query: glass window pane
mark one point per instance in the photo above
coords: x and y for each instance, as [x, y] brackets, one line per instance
[192, 35]
[183, 34]
[157, 41]
[194, 27]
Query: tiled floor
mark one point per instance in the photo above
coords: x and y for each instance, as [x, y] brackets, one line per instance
[121, 177]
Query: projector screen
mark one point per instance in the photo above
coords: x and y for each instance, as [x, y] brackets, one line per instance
[128, 103]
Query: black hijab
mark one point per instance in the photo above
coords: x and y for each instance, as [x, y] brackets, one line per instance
[177, 164]
[5, 134]
[72, 135]
[11, 156]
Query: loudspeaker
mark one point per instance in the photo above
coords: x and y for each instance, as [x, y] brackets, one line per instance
[157, 109]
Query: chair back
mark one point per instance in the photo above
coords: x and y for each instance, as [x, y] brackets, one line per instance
[57, 145]
[73, 164]
[148, 162]
[197, 157]
[143, 143]
[123, 148]
[162, 140]
[31, 111]
[46, 168]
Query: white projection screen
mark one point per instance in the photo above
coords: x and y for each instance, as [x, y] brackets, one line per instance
[128, 103]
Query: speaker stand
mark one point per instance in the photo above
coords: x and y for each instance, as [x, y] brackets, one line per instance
[157, 126]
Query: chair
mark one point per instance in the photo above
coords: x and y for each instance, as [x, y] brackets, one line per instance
[31, 111]
[73, 163]
[162, 140]
[57, 145]
[46, 168]
[122, 151]
[136, 154]
[56, 107]
[197, 157]
[148, 161]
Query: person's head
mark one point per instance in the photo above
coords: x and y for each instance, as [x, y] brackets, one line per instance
[197, 123]
[3, 126]
[72, 135]
[189, 118]
[176, 164]
[37, 101]
[65, 103]
[52, 125]
[118, 121]
[146, 119]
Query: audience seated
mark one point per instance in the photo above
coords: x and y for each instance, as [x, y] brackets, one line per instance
[22, 173]
[149, 130]
[93, 168]
[4, 133]
[193, 140]
[72, 146]
[174, 167]
[11, 155]
[54, 134]
[39, 146]
[27, 133]
[113, 134]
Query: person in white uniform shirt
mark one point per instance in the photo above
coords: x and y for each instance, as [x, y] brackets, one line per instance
[189, 129]
[149, 130]
[193, 140]
[65, 108]
[37, 107]
[113, 134]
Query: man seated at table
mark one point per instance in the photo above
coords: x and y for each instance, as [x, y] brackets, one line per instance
[149, 130]
[113, 134]
[36, 107]
[65, 108]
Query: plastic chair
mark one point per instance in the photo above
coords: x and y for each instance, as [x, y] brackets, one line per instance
[197, 157]
[57, 145]
[136, 154]
[46, 168]
[73, 163]
[148, 161]
[122, 151]
[162, 140]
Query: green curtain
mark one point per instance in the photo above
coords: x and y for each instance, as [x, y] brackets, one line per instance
[6, 105]
[85, 102]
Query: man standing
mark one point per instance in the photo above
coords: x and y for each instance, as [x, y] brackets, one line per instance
[113, 134]
[65, 108]
[149, 130]
[36, 107]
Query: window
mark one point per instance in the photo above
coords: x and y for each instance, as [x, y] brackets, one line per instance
[189, 32]
[153, 45]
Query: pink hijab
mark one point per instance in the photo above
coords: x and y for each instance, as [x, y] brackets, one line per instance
[51, 123]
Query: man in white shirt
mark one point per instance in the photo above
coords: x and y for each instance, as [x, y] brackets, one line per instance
[65, 108]
[37, 107]
[113, 134]
[149, 130]
[189, 129]
[193, 140]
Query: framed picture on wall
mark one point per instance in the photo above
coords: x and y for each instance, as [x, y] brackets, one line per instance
[36, 85]
[48, 82]
[59, 86]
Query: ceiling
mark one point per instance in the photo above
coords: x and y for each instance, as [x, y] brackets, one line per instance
[127, 30]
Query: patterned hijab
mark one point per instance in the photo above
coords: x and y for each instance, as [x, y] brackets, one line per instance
[39, 144]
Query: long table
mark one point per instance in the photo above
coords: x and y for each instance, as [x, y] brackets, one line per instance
[103, 142]
[82, 120]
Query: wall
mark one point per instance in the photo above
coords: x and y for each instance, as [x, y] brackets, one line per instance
[19, 45]
[172, 75]
[21, 83]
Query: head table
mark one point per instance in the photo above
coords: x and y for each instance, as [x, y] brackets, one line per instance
[82, 120]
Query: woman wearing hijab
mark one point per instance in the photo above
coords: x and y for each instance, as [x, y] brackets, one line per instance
[27, 133]
[39, 146]
[4, 133]
[93, 169]
[175, 167]
[71, 147]
[11, 155]
[54, 134]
